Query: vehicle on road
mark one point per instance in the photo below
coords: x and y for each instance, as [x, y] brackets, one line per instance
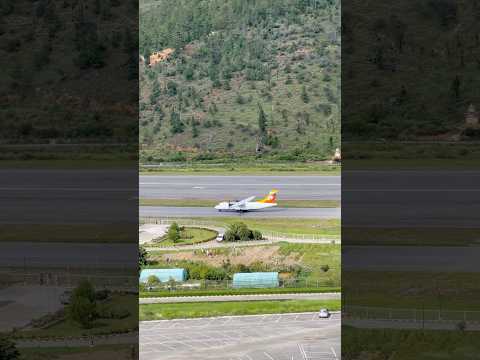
[324, 314]
[220, 237]
[248, 204]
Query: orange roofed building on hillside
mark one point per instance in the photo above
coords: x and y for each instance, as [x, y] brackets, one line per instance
[160, 56]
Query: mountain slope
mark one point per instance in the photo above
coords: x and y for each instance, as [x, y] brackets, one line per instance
[247, 79]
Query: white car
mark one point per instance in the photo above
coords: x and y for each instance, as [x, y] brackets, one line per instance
[219, 237]
[324, 314]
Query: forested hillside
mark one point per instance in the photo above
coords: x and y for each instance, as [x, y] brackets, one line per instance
[62, 63]
[247, 78]
[412, 68]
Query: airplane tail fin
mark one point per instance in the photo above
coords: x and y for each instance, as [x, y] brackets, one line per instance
[270, 198]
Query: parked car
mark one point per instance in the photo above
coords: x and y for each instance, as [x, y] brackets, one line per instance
[65, 297]
[324, 314]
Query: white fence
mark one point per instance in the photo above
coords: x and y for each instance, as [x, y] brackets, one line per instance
[269, 235]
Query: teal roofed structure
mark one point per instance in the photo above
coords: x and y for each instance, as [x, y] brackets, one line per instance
[256, 280]
[164, 275]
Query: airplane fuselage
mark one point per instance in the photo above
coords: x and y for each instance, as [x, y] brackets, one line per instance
[249, 206]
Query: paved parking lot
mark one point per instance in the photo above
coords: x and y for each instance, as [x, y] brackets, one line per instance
[258, 337]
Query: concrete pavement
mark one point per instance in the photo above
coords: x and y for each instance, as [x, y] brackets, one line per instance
[296, 336]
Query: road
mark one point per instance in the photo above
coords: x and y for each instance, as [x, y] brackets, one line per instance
[411, 258]
[411, 198]
[239, 187]
[237, 244]
[253, 297]
[258, 337]
[167, 211]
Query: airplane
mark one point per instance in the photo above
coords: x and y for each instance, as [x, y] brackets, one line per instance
[248, 204]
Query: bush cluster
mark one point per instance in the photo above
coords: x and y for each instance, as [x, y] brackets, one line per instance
[240, 232]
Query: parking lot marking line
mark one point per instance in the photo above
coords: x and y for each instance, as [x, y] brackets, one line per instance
[302, 351]
[334, 353]
[268, 355]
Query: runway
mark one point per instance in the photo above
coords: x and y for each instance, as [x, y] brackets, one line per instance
[54, 254]
[68, 196]
[239, 187]
[257, 337]
[167, 211]
[410, 198]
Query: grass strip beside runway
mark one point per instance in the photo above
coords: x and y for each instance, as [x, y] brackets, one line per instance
[329, 228]
[75, 233]
[209, 309]
[248, 168]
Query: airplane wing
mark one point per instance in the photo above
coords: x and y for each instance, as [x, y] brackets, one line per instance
[244, 201]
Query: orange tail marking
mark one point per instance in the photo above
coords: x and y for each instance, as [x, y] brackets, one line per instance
[270, 198]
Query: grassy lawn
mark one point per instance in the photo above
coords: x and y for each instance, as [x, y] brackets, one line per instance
[432, 290]
[314, 256]
[189, 236]
[101, 326]
[97, 161]
[310, 258]
[212, 203]
[219, 292]
[267, 168]
[329, 228]
[409, 344]
[421, 155]
[99, 352]
[112, 233]
[208, 309]
[413, 236]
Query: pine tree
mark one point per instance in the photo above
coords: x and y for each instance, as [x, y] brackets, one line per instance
[305, 96]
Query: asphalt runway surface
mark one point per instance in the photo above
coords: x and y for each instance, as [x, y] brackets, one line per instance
[411, 198]
[276, 212]
[239, 187]
[262, 337]
[68, 196]
[44, 254]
